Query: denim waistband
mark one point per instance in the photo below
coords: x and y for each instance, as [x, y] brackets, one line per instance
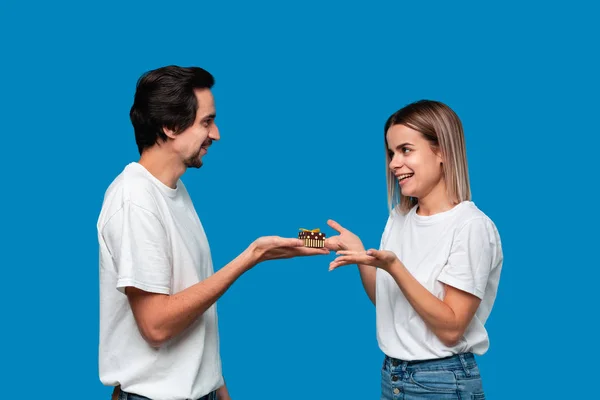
[463, 361]
[131, 396]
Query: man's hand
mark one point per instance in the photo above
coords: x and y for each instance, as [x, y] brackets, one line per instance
[275, 247]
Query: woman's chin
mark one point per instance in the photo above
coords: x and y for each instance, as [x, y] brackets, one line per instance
[407, 193]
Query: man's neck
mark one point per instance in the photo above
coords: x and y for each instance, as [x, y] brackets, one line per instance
[164, 167]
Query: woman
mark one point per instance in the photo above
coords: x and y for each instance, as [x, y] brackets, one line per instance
[435, 277]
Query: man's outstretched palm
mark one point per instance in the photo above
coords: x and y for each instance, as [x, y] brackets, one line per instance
[275, 247]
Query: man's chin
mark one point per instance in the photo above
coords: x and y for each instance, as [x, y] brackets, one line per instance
[194, 163]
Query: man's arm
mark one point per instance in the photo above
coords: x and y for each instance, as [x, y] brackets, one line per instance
[222, 393]
[160, 317]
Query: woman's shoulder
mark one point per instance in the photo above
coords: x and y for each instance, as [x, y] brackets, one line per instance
[397, 217]
[472, 216]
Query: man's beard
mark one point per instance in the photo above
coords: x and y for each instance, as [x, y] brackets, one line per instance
[194, 162]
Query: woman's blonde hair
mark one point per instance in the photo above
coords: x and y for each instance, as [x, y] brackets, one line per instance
[443, 129]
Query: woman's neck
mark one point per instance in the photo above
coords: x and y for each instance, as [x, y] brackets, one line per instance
[435, 202]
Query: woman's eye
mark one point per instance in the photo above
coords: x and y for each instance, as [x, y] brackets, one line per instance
[405, 150]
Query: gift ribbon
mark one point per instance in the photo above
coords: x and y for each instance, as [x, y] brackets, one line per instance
[314, 230]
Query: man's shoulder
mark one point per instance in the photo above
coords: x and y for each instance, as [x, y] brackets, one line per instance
[130, 186]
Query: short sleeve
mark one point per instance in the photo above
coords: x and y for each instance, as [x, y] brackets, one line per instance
[138, 243]
[472, 257]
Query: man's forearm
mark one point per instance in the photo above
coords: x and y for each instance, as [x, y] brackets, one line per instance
[170, 315]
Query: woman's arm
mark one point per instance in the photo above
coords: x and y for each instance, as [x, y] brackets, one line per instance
[474, 254]
[347, 240]
[447, 318]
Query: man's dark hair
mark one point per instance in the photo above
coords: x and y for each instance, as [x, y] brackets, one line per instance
[165, 97]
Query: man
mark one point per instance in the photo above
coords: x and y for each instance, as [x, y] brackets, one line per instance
[158, 320]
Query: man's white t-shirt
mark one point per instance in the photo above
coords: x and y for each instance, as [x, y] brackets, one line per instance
[460, 247]
[151, 238]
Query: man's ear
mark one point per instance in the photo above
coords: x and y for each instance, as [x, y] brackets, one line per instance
[169, 132]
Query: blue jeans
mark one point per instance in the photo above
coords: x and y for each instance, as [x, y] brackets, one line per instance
[130, 396]
[455, 377]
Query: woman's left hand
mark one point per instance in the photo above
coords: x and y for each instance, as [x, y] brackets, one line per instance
[377, 258]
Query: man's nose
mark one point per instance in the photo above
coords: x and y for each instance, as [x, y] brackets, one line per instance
[214, 133]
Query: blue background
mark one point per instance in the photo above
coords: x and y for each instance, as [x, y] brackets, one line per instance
[297, 83]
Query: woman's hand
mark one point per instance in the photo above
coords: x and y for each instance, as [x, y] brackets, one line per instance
[383, 259]
[349, 242]
[346, 240]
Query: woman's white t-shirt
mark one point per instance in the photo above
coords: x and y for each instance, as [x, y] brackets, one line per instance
[460, 247]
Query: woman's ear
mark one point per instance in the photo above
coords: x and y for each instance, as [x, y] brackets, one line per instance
[439, 156]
